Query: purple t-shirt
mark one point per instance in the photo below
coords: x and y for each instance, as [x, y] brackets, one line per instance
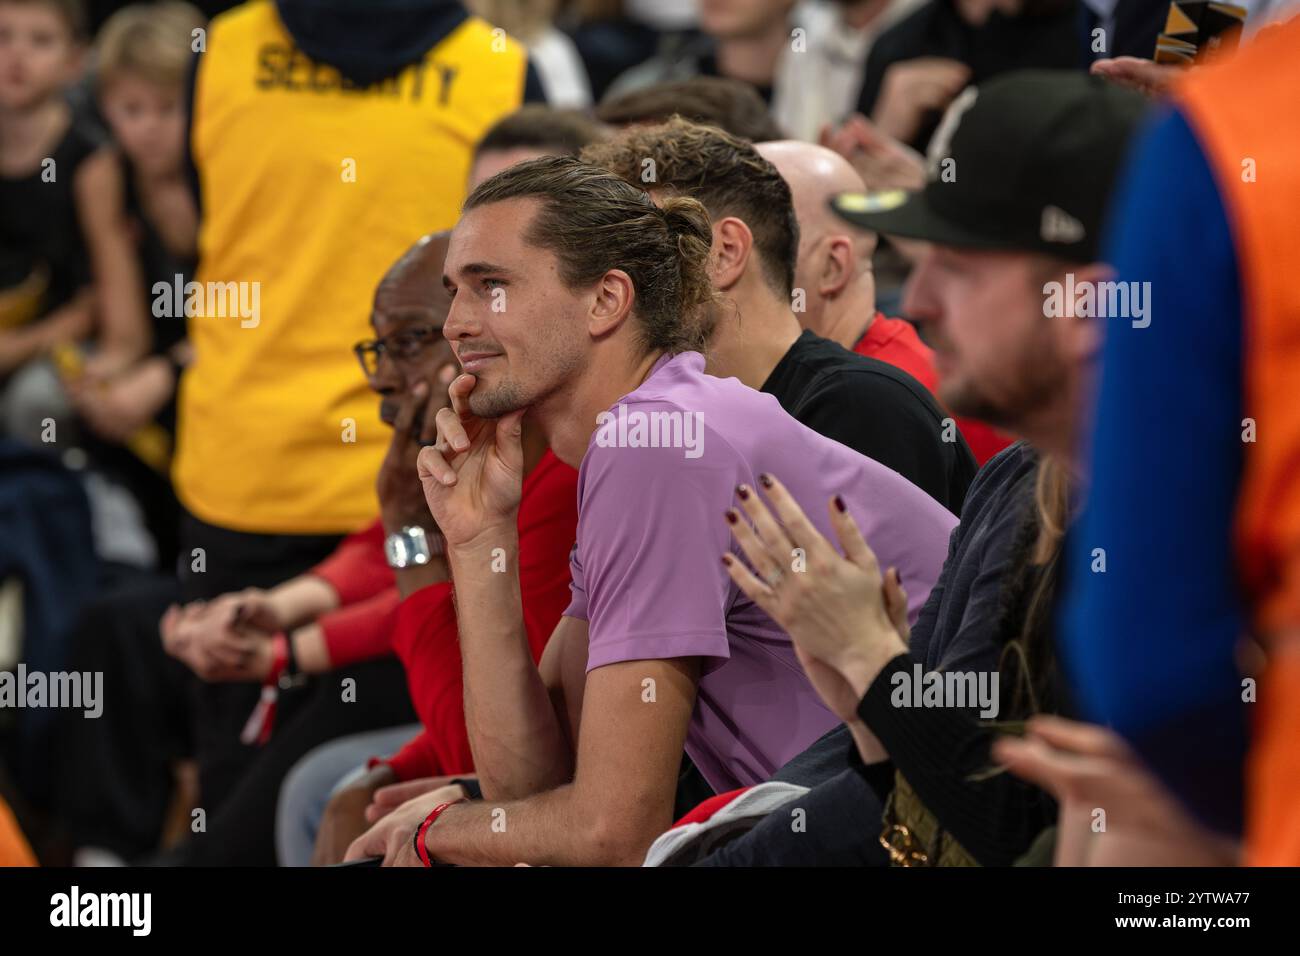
[659, 473]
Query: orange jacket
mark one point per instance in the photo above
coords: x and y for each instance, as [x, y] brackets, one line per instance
[14, 850]
[1244, 113]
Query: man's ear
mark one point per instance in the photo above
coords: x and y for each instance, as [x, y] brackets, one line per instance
[1081, 336]
[732, 245]
[615, 295]
[835, 253]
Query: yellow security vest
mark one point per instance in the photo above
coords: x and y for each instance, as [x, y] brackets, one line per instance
[311, 189]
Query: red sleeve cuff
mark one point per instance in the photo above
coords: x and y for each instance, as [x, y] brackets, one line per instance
[413, 761]
[361, 631]
[357, 569]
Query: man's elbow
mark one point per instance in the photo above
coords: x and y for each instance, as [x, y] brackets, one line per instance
[621, 839]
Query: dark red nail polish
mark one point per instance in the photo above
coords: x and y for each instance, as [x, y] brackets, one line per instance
[726, 560]
[840, 506]
[742, 492]
[732, 517]
[766, 479]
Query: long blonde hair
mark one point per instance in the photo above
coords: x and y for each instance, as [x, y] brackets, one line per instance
[1052, 499]
[1029, 593]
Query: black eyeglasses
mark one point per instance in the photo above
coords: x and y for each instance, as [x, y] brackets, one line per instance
[406, 344]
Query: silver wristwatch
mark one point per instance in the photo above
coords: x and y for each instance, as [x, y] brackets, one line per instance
[411, 547]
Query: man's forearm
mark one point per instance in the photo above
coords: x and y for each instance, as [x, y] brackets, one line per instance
[310, 650]
[302, 599]
[546, 829]
[518, 744]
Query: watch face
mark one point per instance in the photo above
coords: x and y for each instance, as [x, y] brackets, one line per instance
[406, 548]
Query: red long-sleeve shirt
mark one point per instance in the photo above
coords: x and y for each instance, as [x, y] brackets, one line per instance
[360, 627]
[422, 628]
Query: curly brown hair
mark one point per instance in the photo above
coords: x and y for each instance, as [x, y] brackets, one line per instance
[720, 170]
[595, 222]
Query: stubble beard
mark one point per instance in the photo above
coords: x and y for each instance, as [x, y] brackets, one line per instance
[1036, 380]
[497, 401]
[511, 395]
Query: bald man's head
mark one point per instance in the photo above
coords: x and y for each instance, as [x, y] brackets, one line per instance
[834, 264]
[814, 174]
[409, 310]
[419, 267]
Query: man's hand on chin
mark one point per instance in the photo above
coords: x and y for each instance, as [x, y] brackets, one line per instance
[393, 837]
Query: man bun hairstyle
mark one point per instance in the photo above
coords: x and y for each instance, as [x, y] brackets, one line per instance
[688, 222]
[593, 222]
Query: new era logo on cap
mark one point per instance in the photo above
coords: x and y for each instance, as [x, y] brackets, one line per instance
[1031, 145]
[1057, 225]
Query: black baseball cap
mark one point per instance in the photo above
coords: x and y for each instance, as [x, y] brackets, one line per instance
[1025, 161]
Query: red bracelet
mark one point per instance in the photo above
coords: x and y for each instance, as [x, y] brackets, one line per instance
[420, 849]
[258, 728]
[279, 657]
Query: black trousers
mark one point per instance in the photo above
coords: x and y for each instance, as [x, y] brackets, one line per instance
[241, 832]
[114, 773]
[214, 561]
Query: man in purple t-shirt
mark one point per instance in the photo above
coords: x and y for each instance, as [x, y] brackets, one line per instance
[647, 574]
[574, 301]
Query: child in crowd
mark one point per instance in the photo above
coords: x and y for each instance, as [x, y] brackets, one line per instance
[142, 60]
[143, 56]
[68, 270]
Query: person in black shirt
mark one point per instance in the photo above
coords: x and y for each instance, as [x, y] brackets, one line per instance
[875, 409]
[920, 64]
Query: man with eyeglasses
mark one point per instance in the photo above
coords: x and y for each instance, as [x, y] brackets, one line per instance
[384, 589]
